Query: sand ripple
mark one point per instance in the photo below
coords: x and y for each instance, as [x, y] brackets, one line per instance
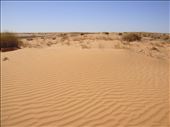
[83, 88]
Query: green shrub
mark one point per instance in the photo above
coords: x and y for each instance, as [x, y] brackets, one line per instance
[9, 41]
[131, 37]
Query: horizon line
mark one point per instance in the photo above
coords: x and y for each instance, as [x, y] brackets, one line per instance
[86, 32]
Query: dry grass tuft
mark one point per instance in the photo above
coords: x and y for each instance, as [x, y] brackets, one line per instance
[165, 37]
[9, 41]
[120, 34]
[154, 48]
[54, 38]
[29, 39]
[107, 33]
[5, 59]
[67, 43]
[131, 37]
[81, 34]
[64, 37]
[85, 46]
[101, 46]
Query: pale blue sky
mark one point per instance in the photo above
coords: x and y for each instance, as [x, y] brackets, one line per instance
[85, 16]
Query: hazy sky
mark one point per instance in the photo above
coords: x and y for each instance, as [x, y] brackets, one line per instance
[72, 16]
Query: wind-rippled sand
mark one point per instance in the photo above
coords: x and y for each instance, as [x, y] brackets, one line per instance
[69, 87]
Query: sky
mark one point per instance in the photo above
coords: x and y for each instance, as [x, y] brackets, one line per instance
[85, 16]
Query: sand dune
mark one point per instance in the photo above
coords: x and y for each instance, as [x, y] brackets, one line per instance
[72, 87]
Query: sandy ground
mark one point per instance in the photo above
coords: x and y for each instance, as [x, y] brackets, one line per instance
[70, 86]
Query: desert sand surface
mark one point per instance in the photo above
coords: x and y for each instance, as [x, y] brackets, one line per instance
[85, 82]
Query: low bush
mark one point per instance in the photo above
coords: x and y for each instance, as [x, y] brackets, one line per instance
[9, 41]
[54, 38]
[131, 37]
[165, 37]
[155, 36]
[81, 34]
[107, 33]
[29, 39]
[120, 34]
[85, 46]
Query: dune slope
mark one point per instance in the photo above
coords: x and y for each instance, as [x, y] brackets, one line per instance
[69, 87]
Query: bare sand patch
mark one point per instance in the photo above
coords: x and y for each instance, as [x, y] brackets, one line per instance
[66, 86]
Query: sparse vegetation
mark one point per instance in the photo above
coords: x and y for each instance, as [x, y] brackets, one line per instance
[5, 58]
[76, 39]
[117, 46]
[54, 38]
[165, 37]
[131, 37]
[85, 46]
[145, 34]
[107, 33]
[101, 46]
[64, 37]
[9, 41]
[67, 43]
[82, 34]
[154, 48]
[29, 39]
[49, 43]
[155, 36]
[120, 34]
